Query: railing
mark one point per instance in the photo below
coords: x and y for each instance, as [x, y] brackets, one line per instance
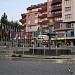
[56, 1]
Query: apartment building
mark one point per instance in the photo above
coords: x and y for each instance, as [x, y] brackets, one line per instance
[55, 22]
[36, 19]
[52, 16]
[61, 16]
[68, 15]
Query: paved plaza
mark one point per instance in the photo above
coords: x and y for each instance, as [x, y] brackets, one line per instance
[19, 67]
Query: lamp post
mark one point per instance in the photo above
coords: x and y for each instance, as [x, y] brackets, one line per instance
[44, 50]
[50, 34]
[33, 45]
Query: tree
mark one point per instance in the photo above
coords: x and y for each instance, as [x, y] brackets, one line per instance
[3, 26]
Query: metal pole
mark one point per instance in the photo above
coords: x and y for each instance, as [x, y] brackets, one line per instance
[56, 46]
[49, 38]
[49, 42]
[56, 51]
[44, 50]
[65, 38]
[33, 49]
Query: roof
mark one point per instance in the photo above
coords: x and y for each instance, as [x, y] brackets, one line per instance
[36, 6]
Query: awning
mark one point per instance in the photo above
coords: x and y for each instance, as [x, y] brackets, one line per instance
[60, 38]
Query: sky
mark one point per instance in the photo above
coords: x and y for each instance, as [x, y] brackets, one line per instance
[14, 8]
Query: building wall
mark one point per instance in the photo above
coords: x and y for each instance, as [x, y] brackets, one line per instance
[49, 8]
[68, 11]
[32, 21]
[59, 15]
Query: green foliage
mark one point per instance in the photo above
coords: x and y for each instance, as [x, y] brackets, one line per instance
[6, 25]
[9, 24]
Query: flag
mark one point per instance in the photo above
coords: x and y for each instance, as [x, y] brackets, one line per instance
[11, 33]
[7, 34]
[28, 35]
[19, 36]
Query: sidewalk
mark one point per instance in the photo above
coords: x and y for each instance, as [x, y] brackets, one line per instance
[72, 57]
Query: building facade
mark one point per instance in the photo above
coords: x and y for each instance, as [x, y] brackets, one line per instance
[68, 15]
[36, 18]
[52, 16]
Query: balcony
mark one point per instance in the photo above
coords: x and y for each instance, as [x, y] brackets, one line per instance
[57, 14]
[56, 2]
[42, 9]
[23, 15]
[56, 8]
[22, 21]
[45, 27]
[51, 23]
[58, 20]
[43, 21]
[49, 15]
[43, 15]
[23, 26]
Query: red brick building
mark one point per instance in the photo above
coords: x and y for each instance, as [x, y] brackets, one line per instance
[35, 19]
[48, 16]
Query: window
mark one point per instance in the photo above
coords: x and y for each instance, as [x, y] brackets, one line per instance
[70, 25]
[58, 19]
[49, 12]
[68, 8]
[30, 27]
[68, 16]
[60, 25]
[36, 21]
[36, 15]
[50, 20]
[49, 6]
[67, 2]
[72, 33]
[57, 25]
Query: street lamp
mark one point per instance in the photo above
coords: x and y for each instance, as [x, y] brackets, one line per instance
[33, 45]
[50, 35]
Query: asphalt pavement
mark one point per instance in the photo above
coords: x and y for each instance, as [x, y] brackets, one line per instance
[19, 67]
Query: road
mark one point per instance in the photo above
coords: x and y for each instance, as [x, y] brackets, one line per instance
[19, 67]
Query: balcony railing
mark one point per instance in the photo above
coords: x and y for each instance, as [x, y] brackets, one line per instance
[55, 8]
[43, 15]
[42, 9]
[56, 2]
[22, 21]
[57, 14]
[43, 21]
